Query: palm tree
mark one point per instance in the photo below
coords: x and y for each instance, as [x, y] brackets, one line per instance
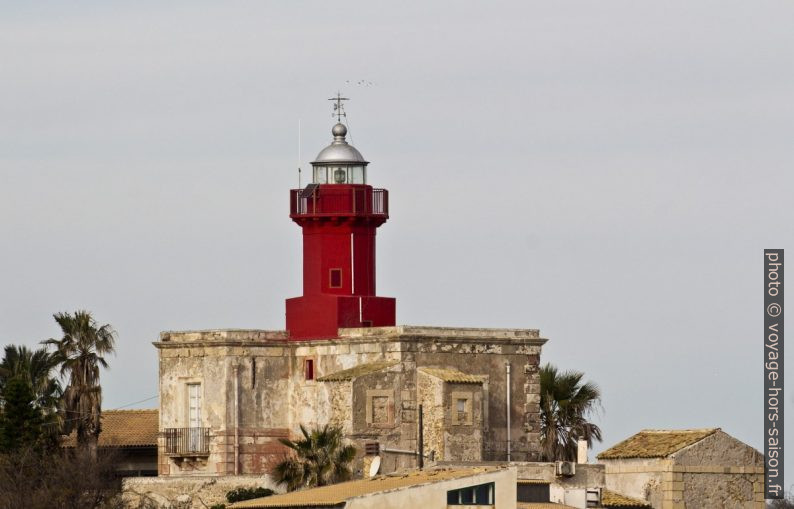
[35, 368]
[319, 458]
[565, 405]
[80, 353]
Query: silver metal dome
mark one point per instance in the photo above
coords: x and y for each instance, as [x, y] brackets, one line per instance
[339, 151]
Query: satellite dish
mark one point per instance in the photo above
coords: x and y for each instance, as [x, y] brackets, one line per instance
[374, 466]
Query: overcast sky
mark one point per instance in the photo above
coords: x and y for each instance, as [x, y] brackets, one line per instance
[608, 172]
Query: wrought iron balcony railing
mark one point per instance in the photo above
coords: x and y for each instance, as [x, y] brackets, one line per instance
[187, 441]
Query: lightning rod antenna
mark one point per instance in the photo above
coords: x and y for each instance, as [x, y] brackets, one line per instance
[299, 153]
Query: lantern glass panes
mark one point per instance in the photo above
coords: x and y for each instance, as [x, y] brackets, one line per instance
[320, 175]
[357, 175]
[340, 174]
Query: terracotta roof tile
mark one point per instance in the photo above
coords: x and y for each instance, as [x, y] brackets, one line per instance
[124, 428]
[612, 499]
[338, 494]
[655, 443]
[453, 375]
[362, 369]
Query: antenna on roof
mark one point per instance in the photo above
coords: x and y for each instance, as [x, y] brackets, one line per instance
[299, 153]
[339, 107]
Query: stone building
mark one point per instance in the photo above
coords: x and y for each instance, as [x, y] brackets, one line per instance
[228, 396]
[686, 469]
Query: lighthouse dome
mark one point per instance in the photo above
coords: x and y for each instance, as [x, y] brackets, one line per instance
[339, 151]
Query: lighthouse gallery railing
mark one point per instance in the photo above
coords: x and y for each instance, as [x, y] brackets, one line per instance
[344, 200]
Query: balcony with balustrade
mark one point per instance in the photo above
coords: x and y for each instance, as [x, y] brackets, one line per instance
[187, 442]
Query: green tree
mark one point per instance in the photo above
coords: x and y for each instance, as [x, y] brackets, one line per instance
[21, 420]
[319, 458]
[80, 353]
[565, 406]
[36, 369]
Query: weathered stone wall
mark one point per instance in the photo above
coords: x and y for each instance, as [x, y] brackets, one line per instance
[430, 394]
[536, 471]
[463, 437]
[185, 492]
[718, 471]
[719, 490]
[701, 482]
[587, 476]
[720, 449]
[641, 478]
[340, 405]
[243, 376]
[255, 390]
[487, 355]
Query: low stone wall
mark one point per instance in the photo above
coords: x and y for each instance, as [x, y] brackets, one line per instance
[192, 492]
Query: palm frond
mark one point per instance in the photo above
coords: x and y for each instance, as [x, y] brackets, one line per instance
[319, 458]
[565, 405]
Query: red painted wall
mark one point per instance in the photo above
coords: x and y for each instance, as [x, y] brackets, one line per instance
[339, 224]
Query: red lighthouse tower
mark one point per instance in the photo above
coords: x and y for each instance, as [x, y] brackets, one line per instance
[339, 214]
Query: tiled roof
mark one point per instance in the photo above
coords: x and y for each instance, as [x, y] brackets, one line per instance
[612, 499]
[124, 428]
[542, 505]
[655, 443]
[453, 375]
[338, 494]
[357, 371]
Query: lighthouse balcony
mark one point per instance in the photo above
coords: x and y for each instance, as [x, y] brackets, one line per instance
[339, 200]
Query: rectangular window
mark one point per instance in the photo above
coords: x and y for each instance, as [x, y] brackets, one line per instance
[533, 492]
[335, 278]
[461, 409]
[474, 495]
[308, 369]
[194, 405]
[194, 416]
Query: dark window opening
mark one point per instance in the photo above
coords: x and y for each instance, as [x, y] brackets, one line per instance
[475, 495]
[335, 278]
[533, 492]
[308, 369]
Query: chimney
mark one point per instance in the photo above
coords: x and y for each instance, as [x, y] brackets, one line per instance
[581, 456]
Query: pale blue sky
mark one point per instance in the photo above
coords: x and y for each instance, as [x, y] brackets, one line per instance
[606, 171]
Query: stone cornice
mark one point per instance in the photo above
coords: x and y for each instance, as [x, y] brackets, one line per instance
[399, 334]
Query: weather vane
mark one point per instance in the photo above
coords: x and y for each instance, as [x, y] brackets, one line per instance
[339, 108]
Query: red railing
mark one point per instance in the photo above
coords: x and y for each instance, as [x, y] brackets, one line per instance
[331, 200]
